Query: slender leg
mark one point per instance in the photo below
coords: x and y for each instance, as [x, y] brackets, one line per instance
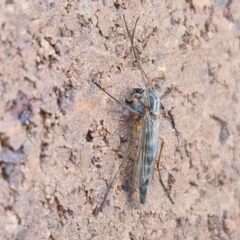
[159, 174]
[100, 206]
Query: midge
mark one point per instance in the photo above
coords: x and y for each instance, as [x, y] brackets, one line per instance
[146, 108]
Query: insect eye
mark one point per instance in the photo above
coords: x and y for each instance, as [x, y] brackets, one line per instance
[138, 90]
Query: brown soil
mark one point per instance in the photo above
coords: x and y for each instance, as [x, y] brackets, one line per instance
[62, 138]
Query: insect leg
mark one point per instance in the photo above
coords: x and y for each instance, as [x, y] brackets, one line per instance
[100, 206]
[124, 105]
[159, 174]
[131, 37]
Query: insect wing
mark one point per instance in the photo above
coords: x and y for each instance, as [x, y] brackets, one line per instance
[147, 150]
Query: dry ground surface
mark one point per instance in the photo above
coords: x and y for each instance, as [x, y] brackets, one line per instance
[62, 138]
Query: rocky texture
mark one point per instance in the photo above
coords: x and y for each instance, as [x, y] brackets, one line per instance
[62, 138]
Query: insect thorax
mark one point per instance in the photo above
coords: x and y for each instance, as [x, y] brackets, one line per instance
[145, 100]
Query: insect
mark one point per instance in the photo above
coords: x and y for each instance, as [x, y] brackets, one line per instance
[146, 109]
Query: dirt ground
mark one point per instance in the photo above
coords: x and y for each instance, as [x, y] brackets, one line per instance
[62, 138]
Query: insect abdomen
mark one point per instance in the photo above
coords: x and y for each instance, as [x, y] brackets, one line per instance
[143, 192]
